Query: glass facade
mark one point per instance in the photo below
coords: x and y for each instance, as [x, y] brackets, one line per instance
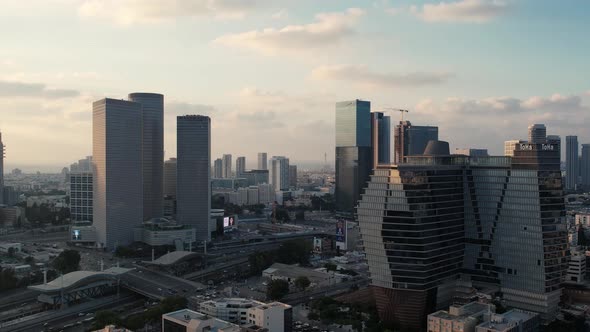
[353, 123]
[412, 140]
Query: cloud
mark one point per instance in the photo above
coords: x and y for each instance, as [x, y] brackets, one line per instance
[281, 14]
[464, 11]
[37, 90]
[363, 75]
[182, 108]
[128, 12]
[329, 29]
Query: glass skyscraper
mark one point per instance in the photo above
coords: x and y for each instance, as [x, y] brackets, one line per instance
[412, 140]
[571, 162]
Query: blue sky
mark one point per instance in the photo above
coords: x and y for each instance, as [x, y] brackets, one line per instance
[268, 72]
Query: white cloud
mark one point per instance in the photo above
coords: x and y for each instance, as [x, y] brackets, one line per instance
[329, 29]
[363, 75]
[281, 14]
[466, 11]
[37, 90]
[127, 12]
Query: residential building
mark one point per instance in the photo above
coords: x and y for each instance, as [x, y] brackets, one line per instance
[262, 160]
[193, 169]
[472, 152]
[537, 134]
[459, 318]
[585, 166]
[293, 176]
[266, 194]
[510, 146]
[81, 196]
[240, 166]
[170, 178]
[117, 170]
[256, 176]
[493, 224]
[218, 168]
[412, 140]
[233, 310]
[571, 162]
[275, 316]
[152, 106]
[279, 173]
[191, 321]
[514, 320]
[576, 271]
[582, 219]
[353, 152]
[226, 169]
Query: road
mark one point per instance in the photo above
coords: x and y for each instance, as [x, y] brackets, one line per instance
[158, 285]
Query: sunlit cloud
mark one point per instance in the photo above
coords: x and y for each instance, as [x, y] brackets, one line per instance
[37, 90]
[466, 11]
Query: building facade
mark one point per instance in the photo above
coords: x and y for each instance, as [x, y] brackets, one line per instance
[193, 188]
[256, 176]
[571, 162]
[381, 138]
[117, 170]
[170, 177]
[81, 196]
[537, 133]
[293, 176]
[1, 170]
[218, 168]
[510, 146]
[262, 160]
[226, 168]
[412, 140]
[585, 166]
[279, 173]
[240, 166]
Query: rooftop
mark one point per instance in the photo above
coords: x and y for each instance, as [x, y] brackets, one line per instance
[173, 257]
[294, 271]
[507, 320]
[234, 302]
[200, 321]
[76, 278]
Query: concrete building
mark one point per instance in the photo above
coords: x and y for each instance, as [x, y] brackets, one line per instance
[514, 320]
[537, 134]
[510, 146]
[226, 168]
[381, 138]
[472, 152]
[117, 170]
[571, 162]
[83, 233]
[193, 169]
[266, 194]
[576, 271]
[585, 166]
[262, 160]
[275, 316]
[353, 152]
[2, 151]
[460, 318]
[240, 166]
[495, 226]
[218, 168]
[191, 321]
[152, 109]
[411, 140]
[582, 219]
[162, 231]
[279, 173]
[233, 310]
[81, 196]
[293, 176]
[9, 216]
[318, 277]
[170, 177]
[256, 176]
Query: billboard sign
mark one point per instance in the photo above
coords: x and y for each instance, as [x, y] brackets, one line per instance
[229, 221]
[317, 245]
[341, 231]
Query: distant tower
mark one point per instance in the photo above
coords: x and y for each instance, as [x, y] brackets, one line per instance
[153, 152]
[293, 176]
[279, 173]
[262, 160]
[1, 170]
[170, 177]
[571, 162]
[537, 133]
[218, 168]
[240, 166]
[585, 166]
[226, 166]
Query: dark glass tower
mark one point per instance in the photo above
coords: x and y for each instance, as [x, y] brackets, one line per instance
[412, 140]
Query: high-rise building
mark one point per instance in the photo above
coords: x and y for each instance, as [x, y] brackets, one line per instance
[412, 140]
[1, 170]
[353, 152]
[218, 168]
[255, 177]
[262, 160]
[472, 152]
[226, 166]
[193, 172]
[279, 173]
[496, 225]
[537, 133]
[555, 140]
[117, 170]
[170, 177]
[293, 176]
[585, 166]
[510, 146]
[381, 138]
[571, 162]
[240, 166]
[152, 105]
[81, 196]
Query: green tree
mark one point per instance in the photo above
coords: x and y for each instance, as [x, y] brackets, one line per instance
[106, 317]
[260, 261]
[331, 267]
[295, 252]
[277, 289]
[67, 261]
[7, 279]
[302, 282]
[11, 252]
[300, 215]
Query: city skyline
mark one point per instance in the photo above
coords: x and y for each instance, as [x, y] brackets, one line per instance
[268, 89]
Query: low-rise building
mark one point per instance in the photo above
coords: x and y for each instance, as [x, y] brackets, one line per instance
[515, 320]
[459, 318]
[576, 271]
[186, 320]
[16, 247]
[289, 273]
[275, 316]
[162, 231]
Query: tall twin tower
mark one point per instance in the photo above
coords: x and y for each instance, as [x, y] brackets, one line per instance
[128, 165]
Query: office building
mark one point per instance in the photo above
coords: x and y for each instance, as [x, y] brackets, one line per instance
[163, 231]
[193, 173]
[510, 146]
[240, 166]
[262, 160]
[555, 140]
[412, 140]
[537, 134]
[571, 162]
[191, 321]
[152, 105]
[585, 166]
[490, 216]
[275, 316]
[81, 196]
[218, 168]
[381, 138]
[11, 196]
[256, 176]
[576, 271]
[353, 152]
[293, 176]
[514, 320]
[170, 178]
[117, 170]
[459, 318]
[1, 170]
[226, 166]
[82, 165]
[472, 152]
[279, 173]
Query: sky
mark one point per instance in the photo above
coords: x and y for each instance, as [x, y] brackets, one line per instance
[268, 72]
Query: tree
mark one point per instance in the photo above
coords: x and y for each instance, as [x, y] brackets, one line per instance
[331, 267]
[11, 252]
[106, 317]
[300, 215]
[302, 282]
[277, 289]
[294, 252]
[67, 261]
[260, 261]
[7, 279]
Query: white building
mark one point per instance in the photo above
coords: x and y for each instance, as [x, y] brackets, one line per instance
[459, 318]
[515, 320]
[161, 231]
[275, 316]
[279, 173]
[234, 310]
[192, 321]
[576, 271]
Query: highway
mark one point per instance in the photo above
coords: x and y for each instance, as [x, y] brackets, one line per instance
[157, 285]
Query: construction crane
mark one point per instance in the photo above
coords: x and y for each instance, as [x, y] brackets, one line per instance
[402, 111]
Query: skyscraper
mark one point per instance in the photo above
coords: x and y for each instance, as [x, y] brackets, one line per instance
[537, 133]
[293, 176]
[510, 146]
[240, 166]
[571, 162]
[585, 166]
[170, 177]
[81, 191]
[262, 160]
[279, 173]
[226, 166]
[353, 152]
[381, 138]
[218, 168]
[412, 140]
[496, 225]
[117, 168]
[153, 152]
[193, 169]
[1, 170]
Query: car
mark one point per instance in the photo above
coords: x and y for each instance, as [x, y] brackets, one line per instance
[159, 289]
[46, 324]
[81, 314]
